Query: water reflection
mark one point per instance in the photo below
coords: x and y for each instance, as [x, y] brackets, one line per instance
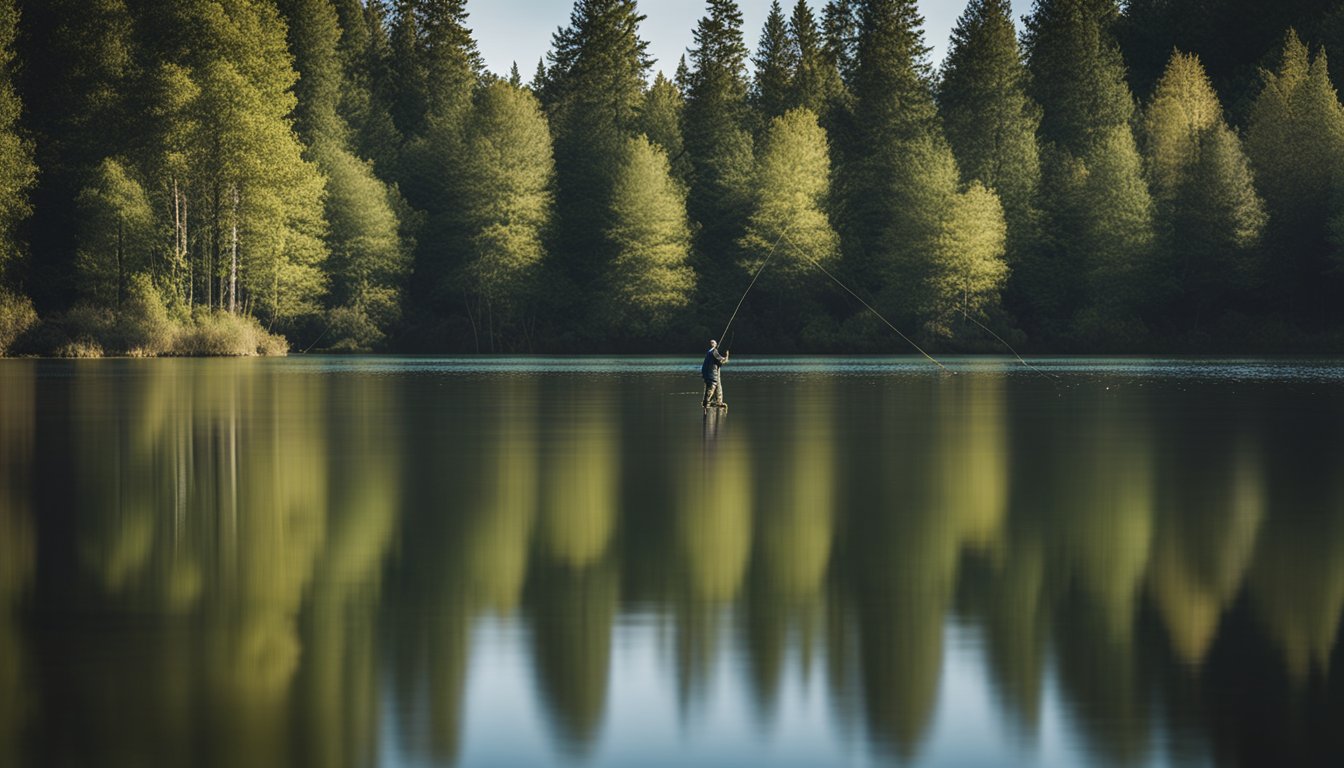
[270, 563]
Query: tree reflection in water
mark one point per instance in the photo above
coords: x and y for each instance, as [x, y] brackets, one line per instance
[223, 562]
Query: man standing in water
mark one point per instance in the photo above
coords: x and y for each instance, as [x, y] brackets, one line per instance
[710, 373]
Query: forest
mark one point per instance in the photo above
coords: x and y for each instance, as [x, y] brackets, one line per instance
[239, 177]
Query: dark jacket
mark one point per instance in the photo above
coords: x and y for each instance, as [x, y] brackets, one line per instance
[710, 370]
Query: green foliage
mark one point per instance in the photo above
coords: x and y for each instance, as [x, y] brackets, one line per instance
[508, 174]
[314, 33]
[1295, 141]
[1111, 226]
[1097, 204]
[816, 81]
[17, 170]
[715, 129]
[593, 95]
[117, 232]
[660, 121]
[789, 223]
[369, 260]
[1077, 73]
[16, 317]
[257, 180]
[898, 176]
[220, 334]
[650, 278]
[989, 119]
[1207, 212]
[970, 268]
[775, 62]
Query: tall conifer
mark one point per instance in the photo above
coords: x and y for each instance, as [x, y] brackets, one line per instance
[1207, 213]
[775, 62]
[1097, 205]
[989, 119]
[717, 140]
[1295, 141]
[593, 94]
[899, 175]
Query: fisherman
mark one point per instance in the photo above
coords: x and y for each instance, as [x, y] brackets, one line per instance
[710, 373]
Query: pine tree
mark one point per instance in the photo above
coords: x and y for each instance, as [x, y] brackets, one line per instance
[816, 81]
[775, 62]
[789, 223]
[970, 268]
[76, 88]
[314, 34]
[116, 234]
[508, 178]
[714, 127]
[1295, 141]
[1208, 216]
[367, 256]
[660, 121]
[366, 97]
[17, 171]
[840, 31]
[1097, 206]
[899, 177]
[989, 120]
[650, 279]
[1076, 72]
[593, 94]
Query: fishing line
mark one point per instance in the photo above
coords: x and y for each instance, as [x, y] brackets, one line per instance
[1009, 346]
[724, 336]
[908, 340]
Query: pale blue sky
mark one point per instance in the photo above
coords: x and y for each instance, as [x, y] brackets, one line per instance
[509, 30]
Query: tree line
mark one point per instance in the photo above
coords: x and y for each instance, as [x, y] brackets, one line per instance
[201, 175]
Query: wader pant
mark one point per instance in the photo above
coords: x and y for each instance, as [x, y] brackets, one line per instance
[713, 388]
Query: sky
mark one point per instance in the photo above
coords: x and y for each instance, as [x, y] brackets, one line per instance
[520, 30]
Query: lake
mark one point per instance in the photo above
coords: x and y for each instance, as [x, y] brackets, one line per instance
[549, 561]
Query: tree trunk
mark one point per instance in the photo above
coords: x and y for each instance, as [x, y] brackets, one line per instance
[233, 258]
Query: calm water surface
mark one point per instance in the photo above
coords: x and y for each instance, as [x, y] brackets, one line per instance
[357, 562]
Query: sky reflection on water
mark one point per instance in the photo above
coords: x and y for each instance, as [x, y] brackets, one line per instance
[331, 561]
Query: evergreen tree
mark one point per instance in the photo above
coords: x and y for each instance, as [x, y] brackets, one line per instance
[314, 33]
[1098, 209]
[775, 62]
[432, 161]
[840, 31]
[116, 234]
[75, 80]
[900, 179]
[262, 200]
[970, 265]
[650, 279]
[17, 171]
[816, 81]
[593, 94]
[367, 257]
[1109, 220]
[365, 54]
[989, 120]
[1208, 216]
[789, 223]
[660, 121]
[450, 59]
[1076, 73]
[714, 127]
[1295, 141]
[407, 74]
[508, 178]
